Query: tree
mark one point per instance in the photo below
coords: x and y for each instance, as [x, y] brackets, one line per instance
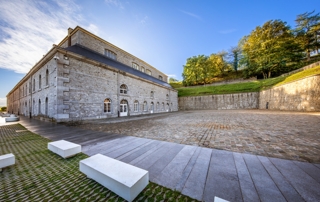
[270, 49]
[3, 109]
[172, 80]
[235, 54]
[308, 32]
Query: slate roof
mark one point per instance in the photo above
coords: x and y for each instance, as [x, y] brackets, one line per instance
[93, 55]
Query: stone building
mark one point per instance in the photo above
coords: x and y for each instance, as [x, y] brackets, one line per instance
[86, 77]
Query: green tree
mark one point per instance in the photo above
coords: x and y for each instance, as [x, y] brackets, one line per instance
[3, 109]
[171, 80]
[308, 32]
[235, 55]
[270, 49]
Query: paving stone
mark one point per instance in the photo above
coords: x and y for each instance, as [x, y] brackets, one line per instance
[132, 145]
[186, 172]
[285, 187]
[196, 181]
[266, 188]
[222, 180]
[305, 185]
[310, 169]
[128, 157]
[172, 173]
[248, 190]
[162, 162]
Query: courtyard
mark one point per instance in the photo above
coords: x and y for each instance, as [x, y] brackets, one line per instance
[286, 135]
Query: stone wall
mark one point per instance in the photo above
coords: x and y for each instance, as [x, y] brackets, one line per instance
[89, 85]
[301, 95]
[227, 101]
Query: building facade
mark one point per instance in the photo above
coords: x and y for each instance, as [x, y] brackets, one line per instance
[86, 77]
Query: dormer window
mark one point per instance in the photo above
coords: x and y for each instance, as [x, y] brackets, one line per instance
[135, 66]
[110, 54]
[148, 72]
[142, 69]
[160, 78]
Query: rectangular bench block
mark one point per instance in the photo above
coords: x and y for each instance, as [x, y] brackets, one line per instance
[7, 160]
[123, 179]
[64, 148]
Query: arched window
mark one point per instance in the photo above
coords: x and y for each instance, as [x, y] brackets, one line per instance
[148, 72]
[47, 77]
[167, 97]
[34, 107]
[123, 89]
[158, 106]
[23, 91]
[40, 81]
[30, 87]
[145, 106]
[34, 84]
[39, 110]
[142, 69]
[136, 106]
[160, 77]
[151, 106]
[167, 108]
[162, 108]
[46, 103]
[135, 66]
[107, 105]
[152, 94]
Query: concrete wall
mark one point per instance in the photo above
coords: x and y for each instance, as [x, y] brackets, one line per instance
[301, 95]
[227, 101]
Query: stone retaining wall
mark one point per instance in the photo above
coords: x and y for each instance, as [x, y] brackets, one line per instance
[227, 101]
[301, 95]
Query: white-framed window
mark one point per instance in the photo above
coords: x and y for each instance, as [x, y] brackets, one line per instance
[123, 89]
[34, 84]
[143, 70]
[145, 106]
[168, 107]
[160, 78]
[135, 66]
[151, 106]
[107, 105]
[162, 108]
[158, 106]
[167, 97]
[136, 106]
[30, 86]
[110, 54]
[47, 77]
[22, 90]
[152, 94]
[148, 72]
[46, 106]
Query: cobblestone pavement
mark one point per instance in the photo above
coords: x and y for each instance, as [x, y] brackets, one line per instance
[287, 135]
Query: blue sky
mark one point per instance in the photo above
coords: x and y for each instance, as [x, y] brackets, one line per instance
[162, 33]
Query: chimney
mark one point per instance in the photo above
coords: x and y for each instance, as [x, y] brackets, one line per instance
[69, 36]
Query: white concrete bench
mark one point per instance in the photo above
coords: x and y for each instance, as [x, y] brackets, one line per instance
[6, 160]
[12, 118]
[125, 180]
[64, 148]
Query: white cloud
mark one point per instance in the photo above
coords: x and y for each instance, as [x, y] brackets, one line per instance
[144, 20]
[93, 28]
[171, 76]
[115, 3]
[3, 102]
[191, 14]
[28, 29]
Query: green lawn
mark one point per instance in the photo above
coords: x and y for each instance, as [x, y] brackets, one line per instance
[254, 86]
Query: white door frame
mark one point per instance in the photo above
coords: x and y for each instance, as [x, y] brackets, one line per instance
[123, 109]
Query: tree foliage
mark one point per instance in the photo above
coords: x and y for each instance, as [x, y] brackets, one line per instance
[308, 32]
[270, 49]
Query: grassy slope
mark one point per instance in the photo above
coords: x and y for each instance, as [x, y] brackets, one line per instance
[254, 86]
